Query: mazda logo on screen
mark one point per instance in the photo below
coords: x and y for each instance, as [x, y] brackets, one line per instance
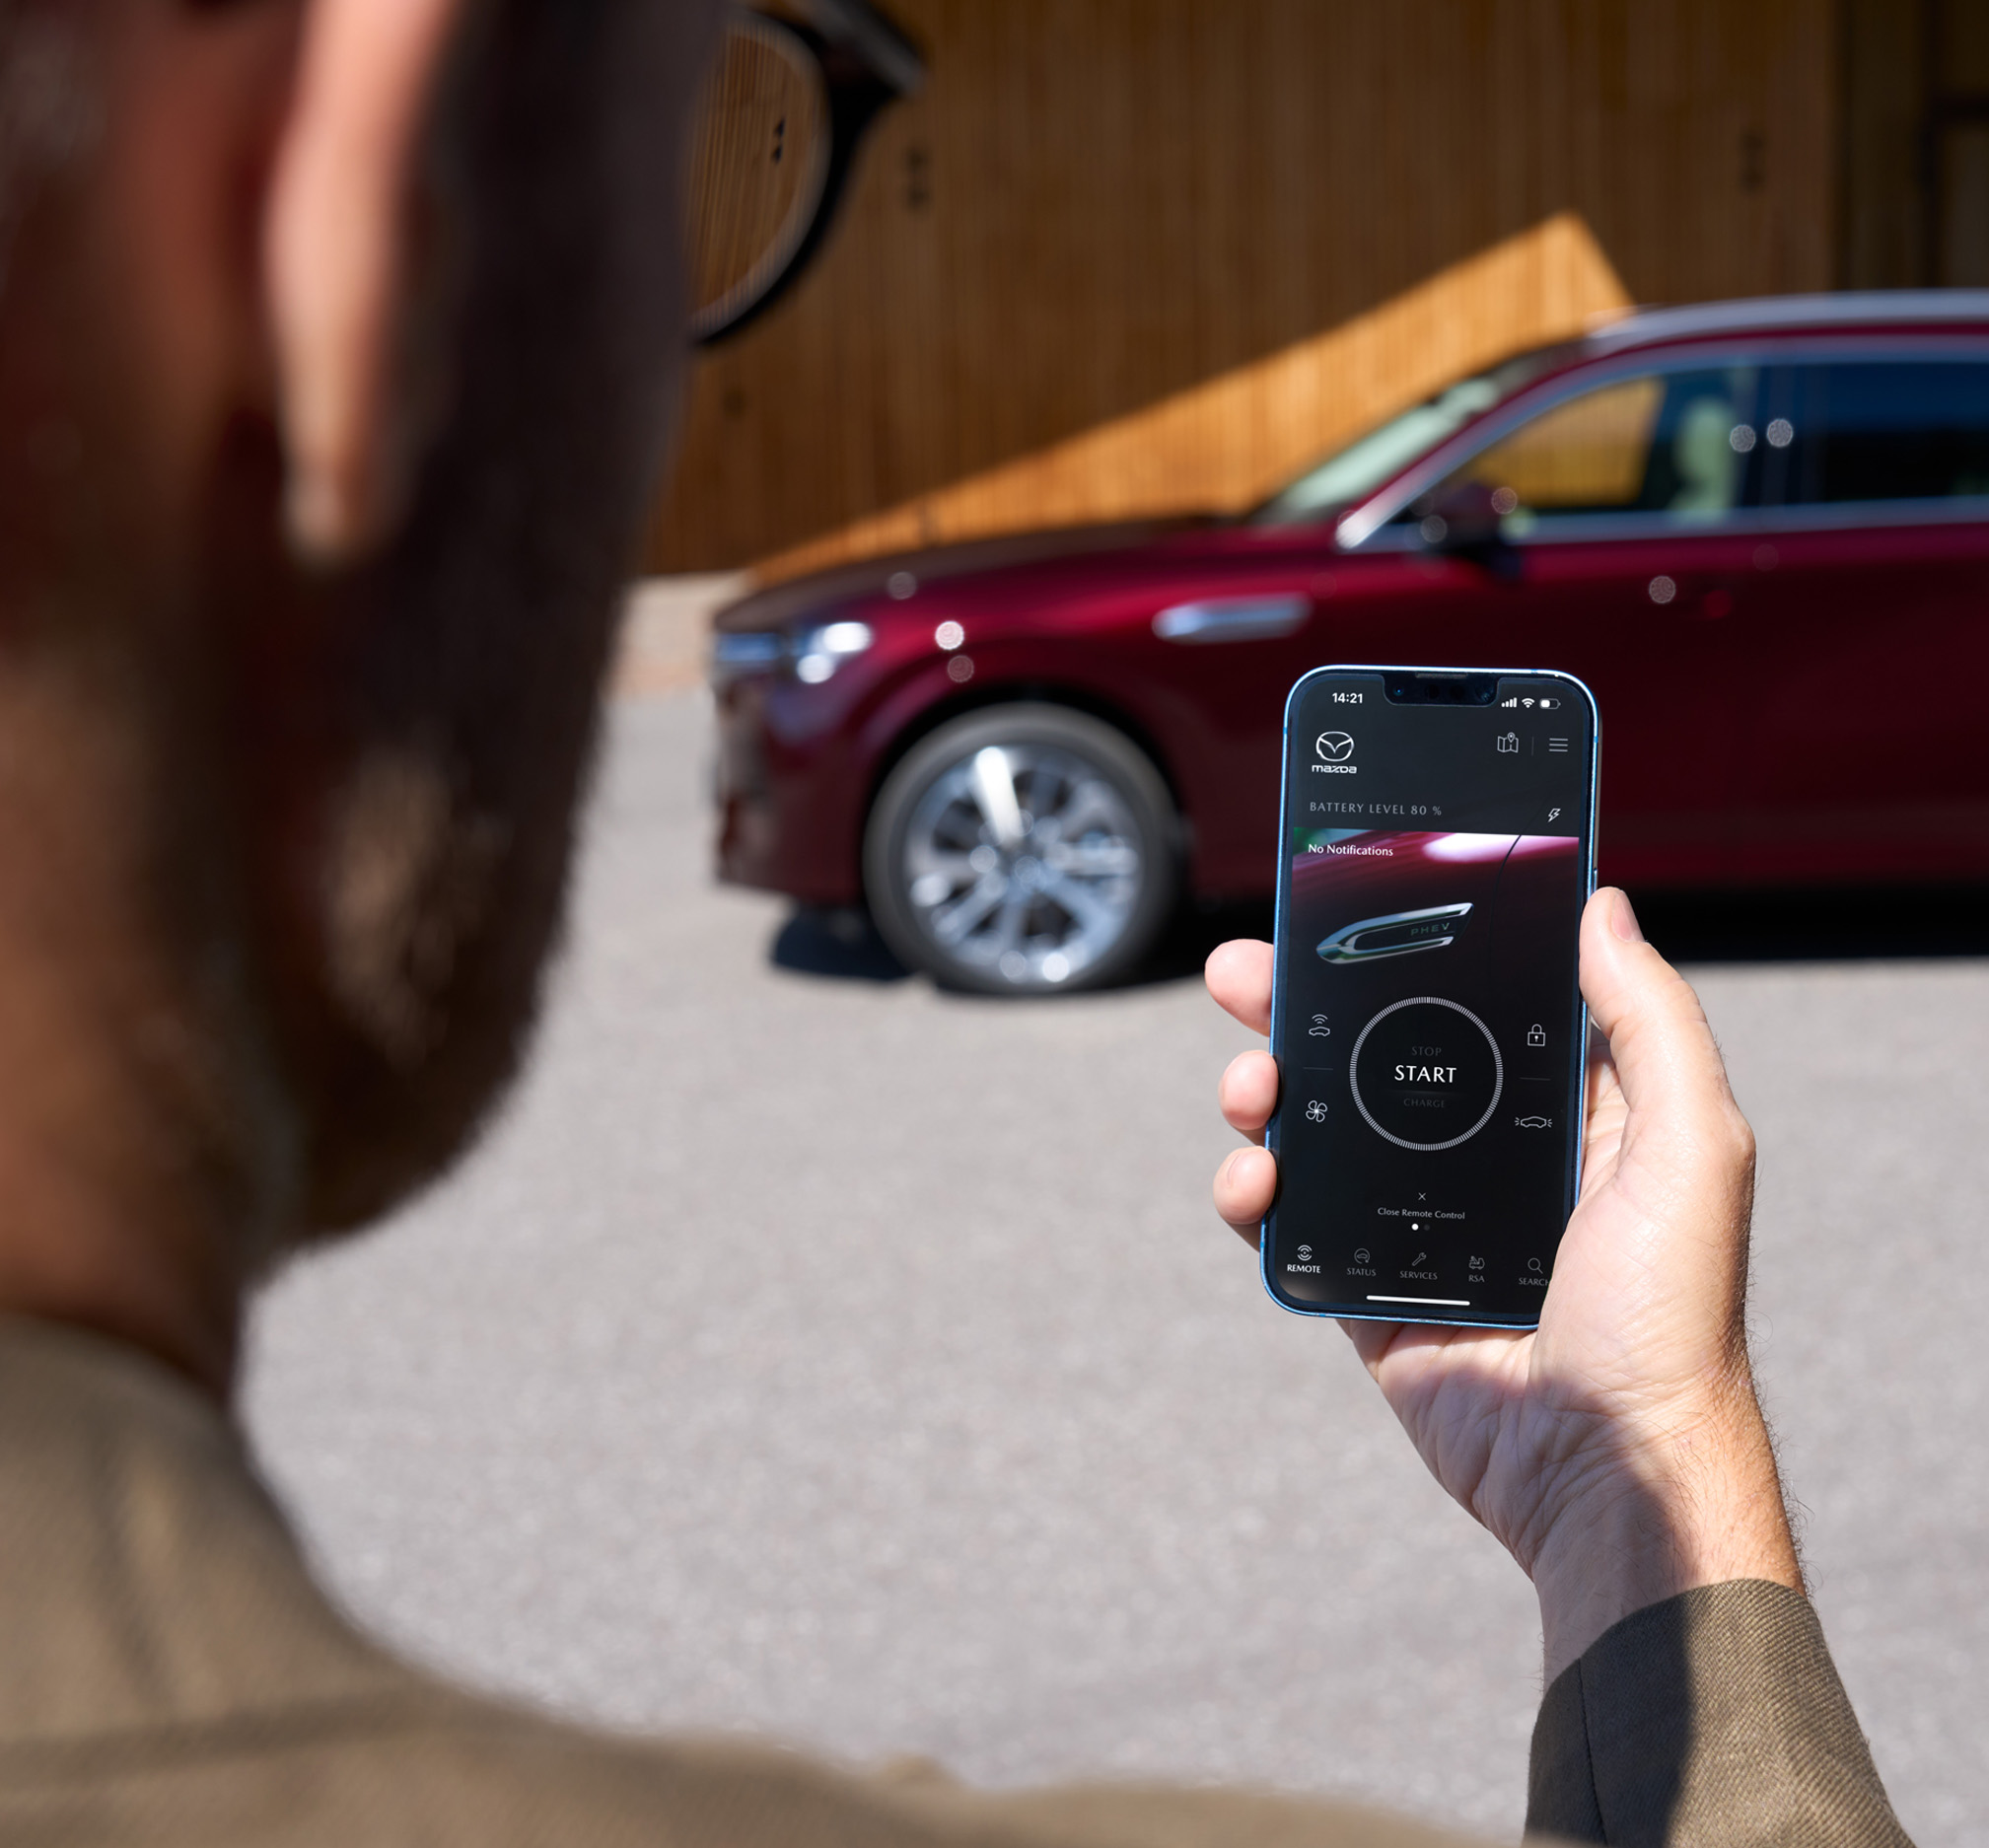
[1334, 749]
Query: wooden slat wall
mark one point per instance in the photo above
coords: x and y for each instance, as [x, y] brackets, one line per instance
[1143, 255]
[1884, 228]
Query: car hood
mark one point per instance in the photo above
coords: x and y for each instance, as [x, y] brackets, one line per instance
[781, 604]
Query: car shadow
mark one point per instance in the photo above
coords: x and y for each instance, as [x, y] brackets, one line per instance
[840, 943]
[1184, 945]
[1876, 924]
[1868, 924]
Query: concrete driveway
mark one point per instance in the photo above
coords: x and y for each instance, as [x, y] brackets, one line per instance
[819, 1356]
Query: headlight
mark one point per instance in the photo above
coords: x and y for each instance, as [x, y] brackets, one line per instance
[814, 653]
[820, 652]
[734, 654]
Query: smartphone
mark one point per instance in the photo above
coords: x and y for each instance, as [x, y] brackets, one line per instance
[1437, 846]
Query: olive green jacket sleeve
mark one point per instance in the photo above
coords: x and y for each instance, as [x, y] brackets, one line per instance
[1713, 1720]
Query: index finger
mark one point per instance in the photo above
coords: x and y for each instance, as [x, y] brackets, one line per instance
[1238, 976]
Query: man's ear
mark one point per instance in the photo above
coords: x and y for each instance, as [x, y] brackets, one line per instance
[341, 265]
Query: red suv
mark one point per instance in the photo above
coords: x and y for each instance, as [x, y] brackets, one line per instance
[1760, 530]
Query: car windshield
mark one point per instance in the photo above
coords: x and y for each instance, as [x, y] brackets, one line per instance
[1352, 473]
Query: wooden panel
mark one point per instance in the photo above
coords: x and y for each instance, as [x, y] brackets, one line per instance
[1959, 110]
[1961, 51]
[1144, 256]
[1885, 210]
[1231, 441]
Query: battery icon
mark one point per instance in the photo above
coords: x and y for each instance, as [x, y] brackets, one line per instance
[1548, 705]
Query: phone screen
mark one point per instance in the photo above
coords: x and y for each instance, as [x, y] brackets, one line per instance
[1437, 838]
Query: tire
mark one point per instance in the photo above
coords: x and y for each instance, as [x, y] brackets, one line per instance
[971, 875]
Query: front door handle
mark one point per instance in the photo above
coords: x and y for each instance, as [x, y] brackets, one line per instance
[1234, 618]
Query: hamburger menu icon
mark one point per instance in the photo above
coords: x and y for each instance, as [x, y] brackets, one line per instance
[1334, 746]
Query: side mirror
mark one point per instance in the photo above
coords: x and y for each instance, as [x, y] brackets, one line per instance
[1466, 521]
[1462, 516]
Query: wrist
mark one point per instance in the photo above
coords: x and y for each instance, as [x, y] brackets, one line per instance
[1688, 1499]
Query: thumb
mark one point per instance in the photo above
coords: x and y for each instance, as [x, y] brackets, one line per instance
[1666, 1059]
[1685, 1162]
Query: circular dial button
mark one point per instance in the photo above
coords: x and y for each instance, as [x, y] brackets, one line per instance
[1426, 1074]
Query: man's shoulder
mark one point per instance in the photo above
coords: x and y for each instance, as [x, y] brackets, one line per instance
[436, 1767]
[174, 1675]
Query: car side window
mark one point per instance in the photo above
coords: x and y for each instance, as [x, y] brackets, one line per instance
[1884, 430]
[1676, 445]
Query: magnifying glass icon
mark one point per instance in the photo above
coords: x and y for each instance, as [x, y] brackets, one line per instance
[1532, 1263]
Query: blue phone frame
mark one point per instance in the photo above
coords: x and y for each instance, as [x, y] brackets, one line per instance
[1281, 926]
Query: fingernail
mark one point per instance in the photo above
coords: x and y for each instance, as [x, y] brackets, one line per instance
[1623, 920]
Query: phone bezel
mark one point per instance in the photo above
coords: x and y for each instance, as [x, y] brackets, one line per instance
[1280, 929]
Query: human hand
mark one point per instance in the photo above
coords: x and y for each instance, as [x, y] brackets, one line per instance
[1618, 1451]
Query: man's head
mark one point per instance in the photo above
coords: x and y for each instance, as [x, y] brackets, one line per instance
[338, 341]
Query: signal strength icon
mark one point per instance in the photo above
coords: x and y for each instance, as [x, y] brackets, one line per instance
[1514, 701]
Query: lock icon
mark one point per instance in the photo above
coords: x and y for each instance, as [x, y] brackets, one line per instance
[1536, 1035]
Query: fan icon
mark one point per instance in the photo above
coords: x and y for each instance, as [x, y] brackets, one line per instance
[1316, 1111]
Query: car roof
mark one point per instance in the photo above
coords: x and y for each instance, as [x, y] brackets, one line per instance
[1875, 308]
[1861, 311]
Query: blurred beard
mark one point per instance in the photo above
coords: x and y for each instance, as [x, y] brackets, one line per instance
[409, 740]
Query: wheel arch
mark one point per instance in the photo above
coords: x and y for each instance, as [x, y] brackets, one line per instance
[1076, 698]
